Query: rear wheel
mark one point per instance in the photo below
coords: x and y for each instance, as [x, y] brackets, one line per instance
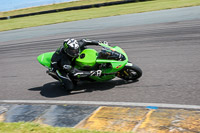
[130, 73]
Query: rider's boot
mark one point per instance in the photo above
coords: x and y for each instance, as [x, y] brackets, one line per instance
[66, 81]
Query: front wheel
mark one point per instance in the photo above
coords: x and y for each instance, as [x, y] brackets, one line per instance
[130, 73]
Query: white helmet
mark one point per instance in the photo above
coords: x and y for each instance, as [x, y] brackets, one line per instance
[71, 47]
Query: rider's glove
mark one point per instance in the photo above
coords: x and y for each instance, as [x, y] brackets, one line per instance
[104, 42]
[96, 73]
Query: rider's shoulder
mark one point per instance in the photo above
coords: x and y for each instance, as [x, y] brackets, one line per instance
[59, 50]
[80, 41]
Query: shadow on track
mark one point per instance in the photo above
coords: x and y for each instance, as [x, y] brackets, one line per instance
[55, 89]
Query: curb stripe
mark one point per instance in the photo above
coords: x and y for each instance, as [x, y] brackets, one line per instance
[143, 122]
[101, 103]
[147, 119]
[86, 118]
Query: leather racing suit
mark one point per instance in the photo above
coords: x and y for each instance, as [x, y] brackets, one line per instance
[63, 65]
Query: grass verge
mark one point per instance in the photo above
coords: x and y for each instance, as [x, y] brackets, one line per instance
[28, 127]
[53, 6]
[75, 15]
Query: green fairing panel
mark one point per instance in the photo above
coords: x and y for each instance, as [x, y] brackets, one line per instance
[87, 58]
[45, 59]
[116, 65]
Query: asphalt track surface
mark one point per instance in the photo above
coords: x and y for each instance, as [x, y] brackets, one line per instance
[168, 54]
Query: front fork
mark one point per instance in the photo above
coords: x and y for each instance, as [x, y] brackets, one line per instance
[123, 73]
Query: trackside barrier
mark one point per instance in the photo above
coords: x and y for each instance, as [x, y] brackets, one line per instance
[73, 8]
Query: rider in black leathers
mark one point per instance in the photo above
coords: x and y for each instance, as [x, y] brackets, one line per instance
[63, 61]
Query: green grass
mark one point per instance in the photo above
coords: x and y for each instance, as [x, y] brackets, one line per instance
[53, 6]
[28, 127]
[67, 16]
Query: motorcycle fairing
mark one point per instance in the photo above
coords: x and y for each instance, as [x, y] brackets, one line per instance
[45, 59]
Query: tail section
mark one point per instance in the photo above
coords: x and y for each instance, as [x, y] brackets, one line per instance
[45, 59]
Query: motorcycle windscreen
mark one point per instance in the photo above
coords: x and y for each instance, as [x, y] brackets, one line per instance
[45, 59]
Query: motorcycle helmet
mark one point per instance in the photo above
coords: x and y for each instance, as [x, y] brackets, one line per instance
[71, 47]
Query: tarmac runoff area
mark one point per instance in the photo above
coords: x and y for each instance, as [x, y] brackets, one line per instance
[105, 118]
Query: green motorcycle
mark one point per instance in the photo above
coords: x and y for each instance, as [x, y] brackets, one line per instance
[112, 61]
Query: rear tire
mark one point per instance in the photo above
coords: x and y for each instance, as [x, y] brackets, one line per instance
[130, 73]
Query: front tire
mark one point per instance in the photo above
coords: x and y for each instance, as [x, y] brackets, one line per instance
[130, 73]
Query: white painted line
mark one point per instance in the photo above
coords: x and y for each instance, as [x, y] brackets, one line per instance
[101, 103]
